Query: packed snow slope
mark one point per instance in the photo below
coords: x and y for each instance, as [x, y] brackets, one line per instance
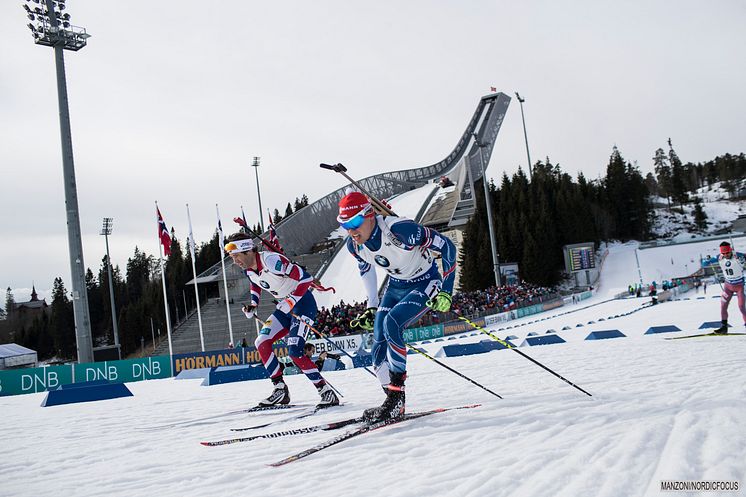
[620, 268]
[661, 410]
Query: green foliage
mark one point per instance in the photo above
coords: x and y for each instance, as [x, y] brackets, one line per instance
[700, 216]
[62, 322]
[9, 302]
[678, 177]
[536, 217]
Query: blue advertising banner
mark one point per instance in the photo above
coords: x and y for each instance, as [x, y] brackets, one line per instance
[423, 333]
[125, 371]
[33, 380]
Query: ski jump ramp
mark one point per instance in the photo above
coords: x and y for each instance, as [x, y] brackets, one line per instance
[300, 231]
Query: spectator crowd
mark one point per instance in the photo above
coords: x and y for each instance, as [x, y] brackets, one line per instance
[336, 321]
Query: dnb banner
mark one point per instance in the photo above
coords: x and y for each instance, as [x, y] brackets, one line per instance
[33, 380]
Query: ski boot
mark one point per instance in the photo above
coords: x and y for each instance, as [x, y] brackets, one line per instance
[723, 329]
[328, 397]
[393, 406]
[280, 394]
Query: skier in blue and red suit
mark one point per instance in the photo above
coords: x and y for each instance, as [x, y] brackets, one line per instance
[404, 249]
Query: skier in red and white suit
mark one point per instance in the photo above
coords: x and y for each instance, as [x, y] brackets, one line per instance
[293, 318]
[732, 265]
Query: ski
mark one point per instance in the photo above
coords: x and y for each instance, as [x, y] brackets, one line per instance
[295, 431]
[707, 335]
[208, 419]
[303, 414]
[362, 430]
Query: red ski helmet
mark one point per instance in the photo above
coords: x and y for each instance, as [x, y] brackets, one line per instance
[725, 248]
[354, 205]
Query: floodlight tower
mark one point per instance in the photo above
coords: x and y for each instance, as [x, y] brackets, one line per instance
[106, 231]
[488, 204]
[525, 135]
[255, 165]
[51, 28]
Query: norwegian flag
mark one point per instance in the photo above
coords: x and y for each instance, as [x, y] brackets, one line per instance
[163, 234]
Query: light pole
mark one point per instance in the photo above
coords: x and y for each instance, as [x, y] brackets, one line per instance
[493, 242]
[51, 28]
[525, 136]
[255, 165]
[106, 231]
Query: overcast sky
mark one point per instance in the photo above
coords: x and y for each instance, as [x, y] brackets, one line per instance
[171, 100]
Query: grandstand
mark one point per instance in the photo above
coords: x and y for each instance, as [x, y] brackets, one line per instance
[446, 209]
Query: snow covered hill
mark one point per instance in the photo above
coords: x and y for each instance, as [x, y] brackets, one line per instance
[661, 410]
[720, 210]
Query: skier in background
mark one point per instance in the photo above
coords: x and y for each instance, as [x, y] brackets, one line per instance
[403, 249]
[289, 284]
[732, 265]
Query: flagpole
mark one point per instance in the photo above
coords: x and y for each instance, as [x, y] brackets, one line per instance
[225, 279]
[194, 271]
[165, 295]
[243, 216]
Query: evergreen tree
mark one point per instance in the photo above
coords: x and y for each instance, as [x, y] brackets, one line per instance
[288, 210]
[678, 178]
[3, 315]
[615, 185]
[475, 251]
[276, 217]
[209, 253]
[120, 297]
[178, 270]
[62, 321]
[663, 172]
[96, 298]
[626, 197]
[297, 205]
[9, 303]
[700, 216]
[138, 273]
[652, 185]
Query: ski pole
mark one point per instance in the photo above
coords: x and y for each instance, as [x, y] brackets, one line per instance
[717, 276]
[422, 352]
[511, 347]
[339, 168]
[321, 335]
[327, 381]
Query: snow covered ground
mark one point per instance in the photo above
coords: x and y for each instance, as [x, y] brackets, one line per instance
[721, 212]
[655, 264]
[661, 410]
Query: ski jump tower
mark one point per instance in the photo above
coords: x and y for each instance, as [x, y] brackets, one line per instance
[312, 224]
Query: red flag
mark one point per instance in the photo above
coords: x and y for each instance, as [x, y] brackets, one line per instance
[493, 89]
[240, 221]
[163, 234]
